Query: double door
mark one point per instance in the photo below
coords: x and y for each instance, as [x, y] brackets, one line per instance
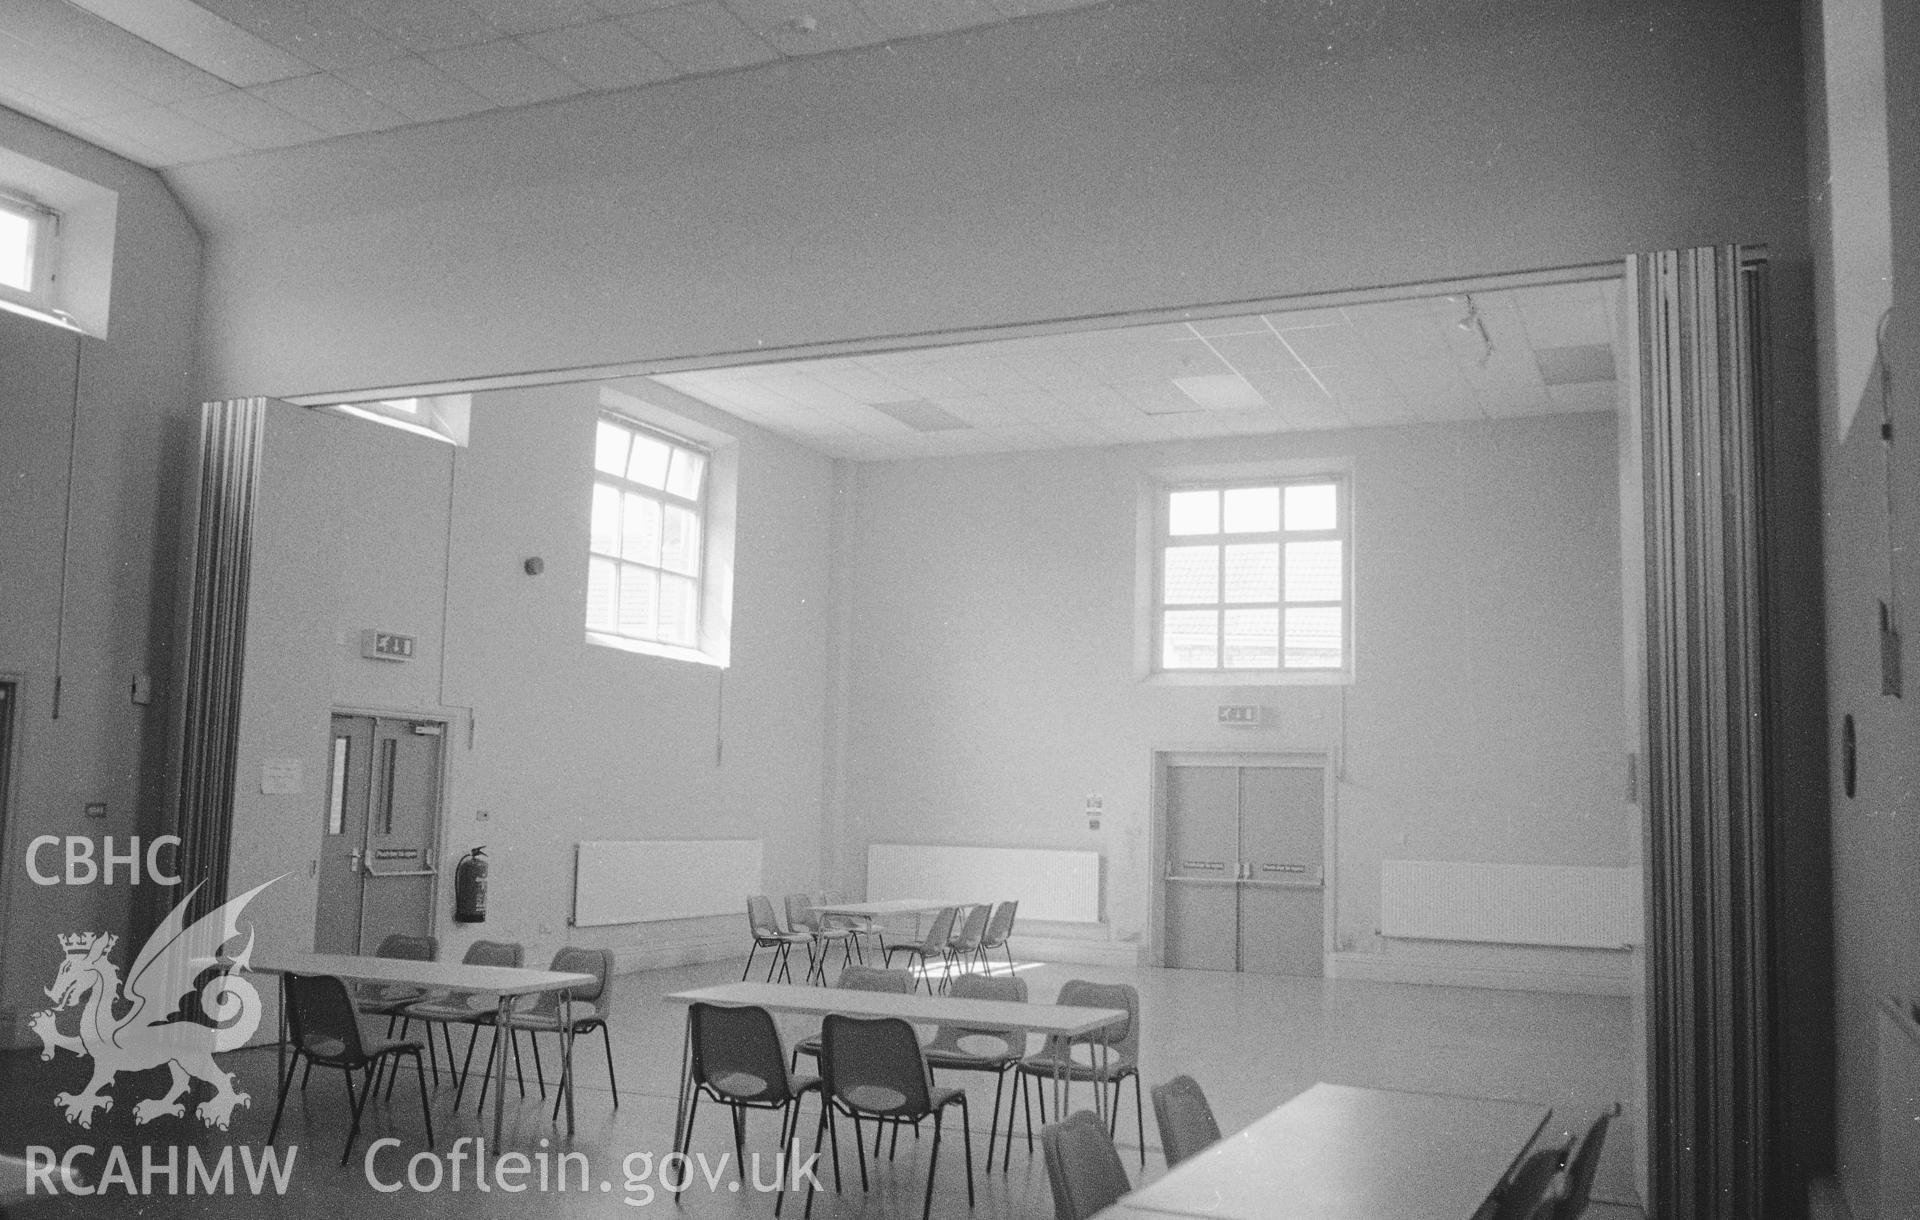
[378, 843]
[1244, 882]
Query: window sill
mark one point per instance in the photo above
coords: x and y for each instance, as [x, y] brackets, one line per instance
[670, 652]
[1248, 677]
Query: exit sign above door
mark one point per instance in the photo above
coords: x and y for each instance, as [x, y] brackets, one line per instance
[386, 645]
[1241, 715]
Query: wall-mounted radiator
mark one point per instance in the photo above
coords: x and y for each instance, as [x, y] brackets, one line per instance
[1516, 904]
[639, 882]
[1051, 886]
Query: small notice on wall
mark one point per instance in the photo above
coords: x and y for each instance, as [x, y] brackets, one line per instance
[280, 777]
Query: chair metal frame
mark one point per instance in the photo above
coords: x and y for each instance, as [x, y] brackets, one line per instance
[747, 1024]
[1123, 1058]
[944, 1050]
[934, 945]
[768, 934]
[342, 1047]
[802, 918]
[918, 1097]
[542, 1016]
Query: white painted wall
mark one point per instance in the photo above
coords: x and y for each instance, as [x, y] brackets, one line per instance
[364, 526]
[1130, 155]
[110, 434]
[991, 682]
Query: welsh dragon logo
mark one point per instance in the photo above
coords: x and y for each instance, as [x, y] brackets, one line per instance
[151, 1030]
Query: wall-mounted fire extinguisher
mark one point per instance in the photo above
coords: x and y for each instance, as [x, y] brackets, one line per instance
[470, 887]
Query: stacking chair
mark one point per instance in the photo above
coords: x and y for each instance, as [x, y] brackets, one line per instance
[876, 1069]
[325, 1028]
[1541, 1178]
[768, 934]
[389, 999]
[1186, 1120]
[1123, 1052]
[959, 1049]
[800, 918]
[933, 948]
[1582, 1164]
[1083, 1167]
[858, 978]
[587, 1009]
[863, 928]
[964, 945]
[472, 1009]
[737, 1062]
[999, 929]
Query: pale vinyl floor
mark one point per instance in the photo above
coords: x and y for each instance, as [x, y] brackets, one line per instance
[1251, 1041]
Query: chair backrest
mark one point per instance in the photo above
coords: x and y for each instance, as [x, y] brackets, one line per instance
[875, 1065]
[737, 1054]
[1582, 1164]
[967, 939]
[495, 953]
[761, 918]
[1001, 925]
[593, 999]
[402, 947]
[941, 932]
[873, 978]
[1123, 1043]
[1521, 1196]
[322, 1020]
[1083, 1166]
[1186, 1120]
[800, 915]
[982, 1042]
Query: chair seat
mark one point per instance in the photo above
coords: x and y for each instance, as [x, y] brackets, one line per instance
[950, 1057]
[775, 938]
[454, 1008]
[387, 1046]
[383, 998]
[549, 1022]
[833, 933]
[1044, 1064]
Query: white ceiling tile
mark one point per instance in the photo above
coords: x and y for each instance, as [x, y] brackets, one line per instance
[528, 16]
[600, 56]
[1378, 412]
[1209, 328]
[1569, 326]
[415, 88]
[809, 28]
[1391, 338]
[1255, 353]
[626, 8]
[1327, 345]
[175, 139]
[242, 117]
[1079, 432]
[1027, 8]
[1356, 382]
[506, 73]
[980, 410]
[116, 142]
[425, 25]
[1150, 358]
[108, 52]
[62, 84]
[330, 104]
[1303, 319]
[1291, 391]
[202, 38]
[701, 37]
[1221, 392]
[315, 31]
[1156, 397]
[860, 381]
[908, 18]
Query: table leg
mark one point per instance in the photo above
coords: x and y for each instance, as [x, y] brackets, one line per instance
[280, 1042]
[566, 1051]
[500, 1085]
[686, 1083]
